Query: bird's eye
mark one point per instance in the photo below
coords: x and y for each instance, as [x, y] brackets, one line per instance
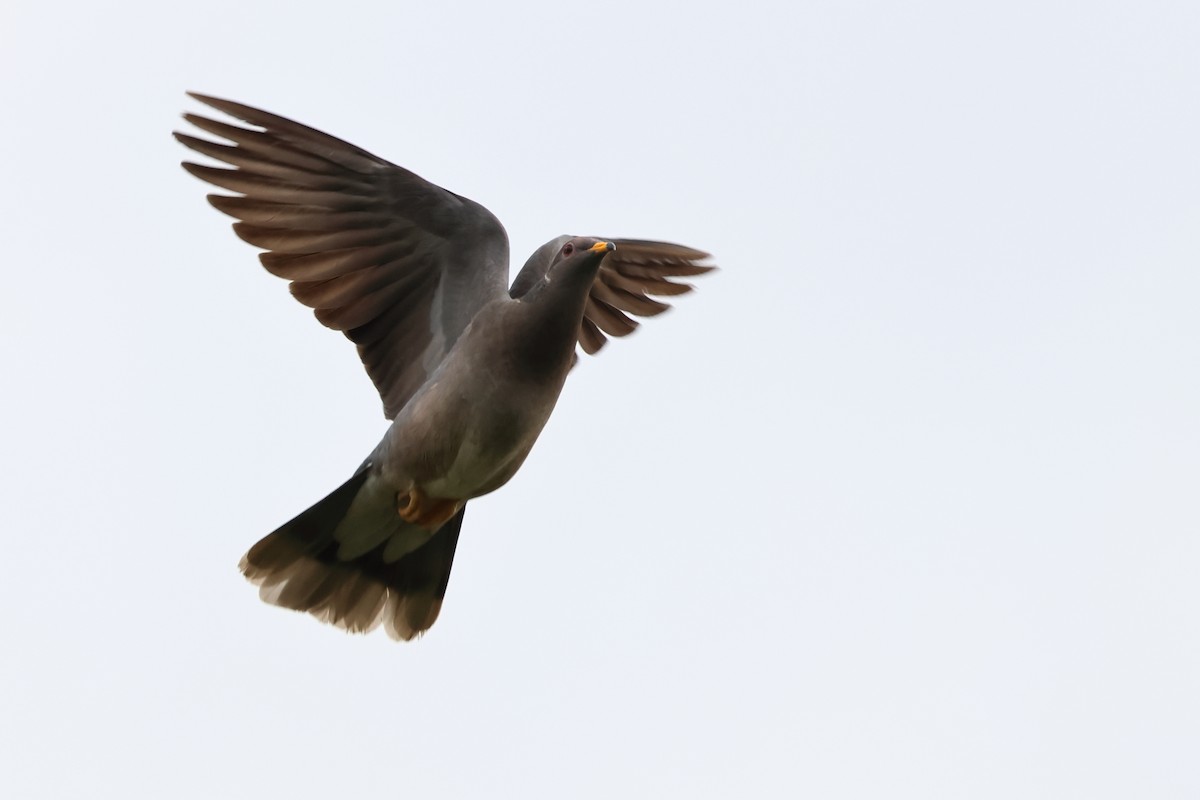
[568, 248]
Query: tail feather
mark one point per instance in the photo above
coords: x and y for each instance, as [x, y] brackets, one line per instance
[298, 567]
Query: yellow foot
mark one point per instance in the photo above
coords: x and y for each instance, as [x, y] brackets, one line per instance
[417, 508]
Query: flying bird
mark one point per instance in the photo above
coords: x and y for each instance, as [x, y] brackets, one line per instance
[468, 368]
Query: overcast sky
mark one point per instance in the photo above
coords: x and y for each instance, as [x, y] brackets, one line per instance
[901, 503]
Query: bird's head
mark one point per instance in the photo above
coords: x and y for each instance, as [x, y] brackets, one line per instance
[568, 263]
[579, 254]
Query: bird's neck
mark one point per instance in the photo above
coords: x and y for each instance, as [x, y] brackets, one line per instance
[549, 327]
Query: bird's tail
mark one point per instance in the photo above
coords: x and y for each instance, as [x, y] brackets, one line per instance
[303, 566]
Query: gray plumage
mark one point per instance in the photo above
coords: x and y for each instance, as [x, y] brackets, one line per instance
[468, 370]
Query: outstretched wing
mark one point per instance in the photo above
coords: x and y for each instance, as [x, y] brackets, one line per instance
[399, 265]
[629, 279]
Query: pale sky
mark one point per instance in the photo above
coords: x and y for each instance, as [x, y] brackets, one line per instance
[901, 503]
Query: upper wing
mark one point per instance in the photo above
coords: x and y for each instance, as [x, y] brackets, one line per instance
[401, 266]
[628, 278]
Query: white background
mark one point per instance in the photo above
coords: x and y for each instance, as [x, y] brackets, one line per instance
[902, 503]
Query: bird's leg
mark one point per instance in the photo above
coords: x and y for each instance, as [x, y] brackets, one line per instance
[417, 508]
[438, 513]
[409, 504]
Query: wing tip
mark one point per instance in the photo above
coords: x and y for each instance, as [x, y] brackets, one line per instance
[209, 100]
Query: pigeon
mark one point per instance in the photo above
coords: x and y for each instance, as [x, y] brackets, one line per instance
[468, 367]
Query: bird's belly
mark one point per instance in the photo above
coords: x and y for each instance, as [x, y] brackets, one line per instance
[493, 447]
